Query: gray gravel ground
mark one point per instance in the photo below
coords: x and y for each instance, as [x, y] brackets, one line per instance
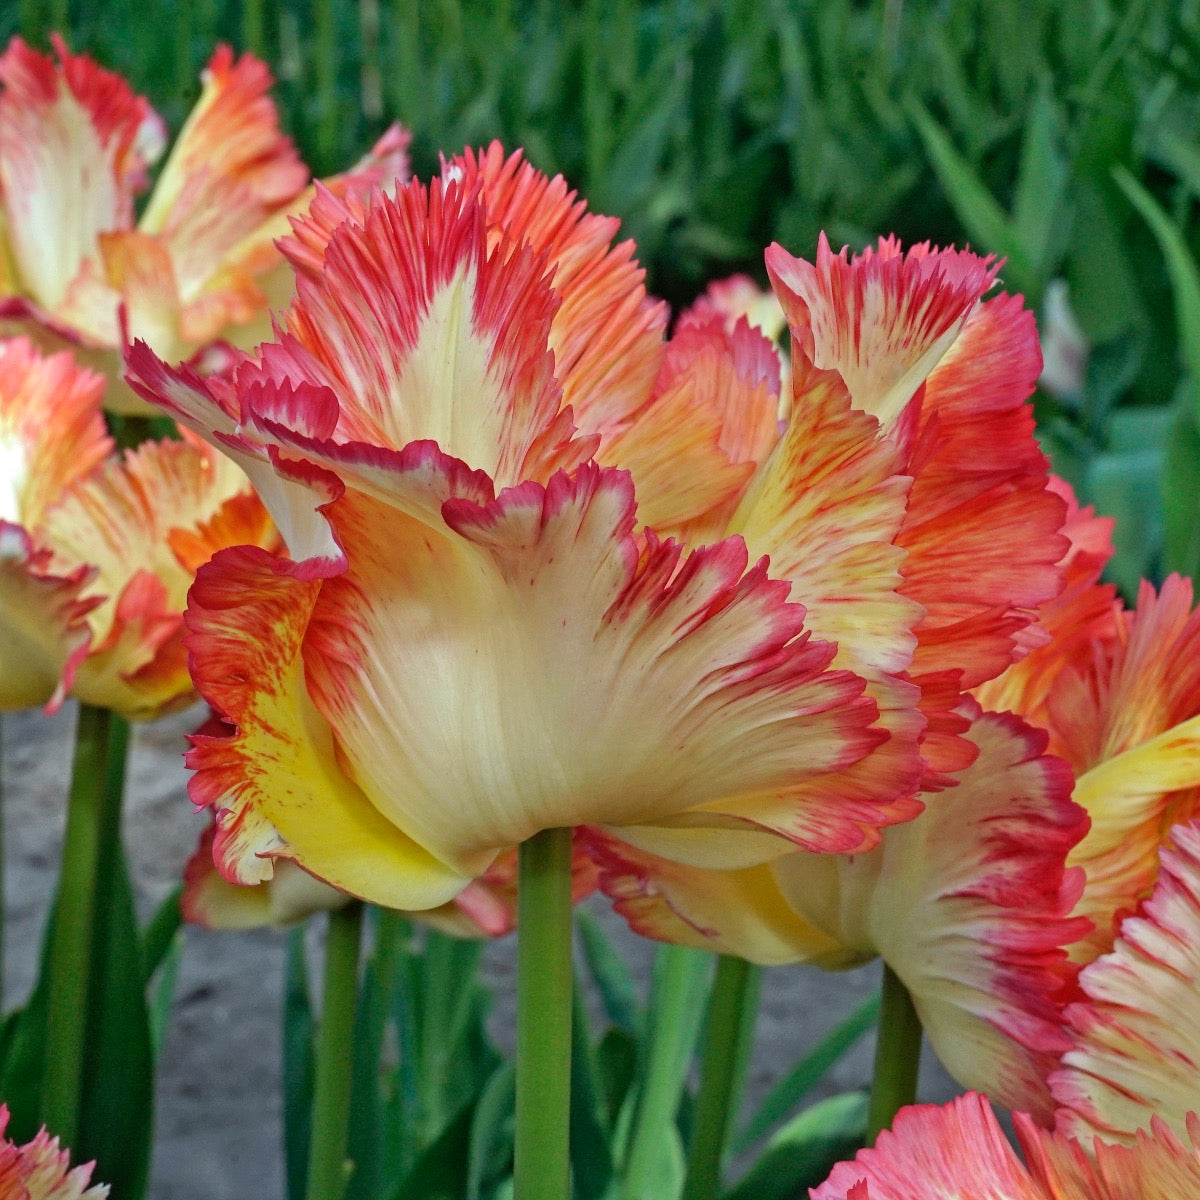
[218, 1104]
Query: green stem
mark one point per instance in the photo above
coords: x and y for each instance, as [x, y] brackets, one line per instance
[680, 984]
[93, 819]
[725, 1035]
[542, 1162]
[897, 1055]
[328, 1169]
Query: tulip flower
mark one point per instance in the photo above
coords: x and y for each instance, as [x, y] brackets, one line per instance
[199, 268]
[97, 550]
[39, 1170]
[961, 1150]
[476, 636]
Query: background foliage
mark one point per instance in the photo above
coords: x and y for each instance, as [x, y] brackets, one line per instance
[1060, 134]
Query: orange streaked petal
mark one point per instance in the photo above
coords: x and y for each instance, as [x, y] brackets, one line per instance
[883, 319]
[52, 432]
[968, 903]
[1127, 717]
[826, 507]
[606, 336]
[74, 145]
[230, 169]
[421, 334]
[276, 784]
[982, 533]
[739, 912]
[958, 1152]
[1158, 1165]
[1074, 622]
[211, 901]
[120, 523]
[695, 443]
[44, 631]
[1136, 1029]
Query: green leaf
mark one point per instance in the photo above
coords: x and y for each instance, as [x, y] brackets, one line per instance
[647, 1137]
[610, 973]
[807, 1073]
[1181, 267]
[298, 1066]
[1181, 489]
[162, 991]
[489, 1147]
[805, 1150]
[1038, 218]
[158, 938]
[616, 1067]
[440, 1172]
[115, 1123]
[591, 1155]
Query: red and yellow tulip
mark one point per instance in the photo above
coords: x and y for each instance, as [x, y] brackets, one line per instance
[480, 633]
[198, 269]
[98, 549]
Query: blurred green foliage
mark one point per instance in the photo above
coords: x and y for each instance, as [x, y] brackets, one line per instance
[1060, 134]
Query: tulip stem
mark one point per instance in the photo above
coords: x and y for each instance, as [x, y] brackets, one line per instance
[328, 1168]
[93, 821]
[897, 1055]
[726, 1035]
[542, 1154]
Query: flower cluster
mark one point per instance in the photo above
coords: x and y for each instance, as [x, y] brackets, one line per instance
[461, 545]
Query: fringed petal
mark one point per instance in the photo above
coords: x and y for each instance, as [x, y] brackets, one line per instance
[120, 524]
[230, 169]
[40, 1170]
[44, 631]
[211, 901]
[969, 904]
[982, 532]
[276, 783]
[826, 507]
[883, 319]
[958, 1152]
[1158, 1165]
[1136, 1029]
[606, 336]
[1127, 717]
[740, 912]
[74, 146]
[52, 431]
[697, 440]
[1071, 625]
[421, 333]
